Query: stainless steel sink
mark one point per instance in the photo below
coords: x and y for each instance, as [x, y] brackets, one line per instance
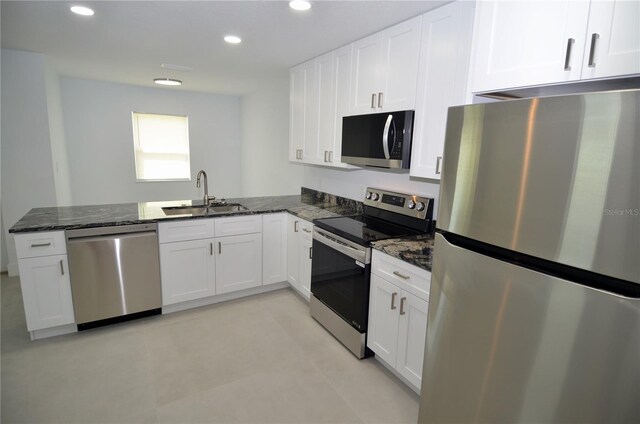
[202, 209]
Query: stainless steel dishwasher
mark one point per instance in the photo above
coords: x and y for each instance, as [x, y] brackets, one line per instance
[115, 273]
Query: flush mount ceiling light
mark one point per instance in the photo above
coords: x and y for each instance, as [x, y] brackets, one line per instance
[167, 81]
[300, 5]
[81, 10]
[232, 39]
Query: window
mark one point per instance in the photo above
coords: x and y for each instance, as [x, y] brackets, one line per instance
[161, 146]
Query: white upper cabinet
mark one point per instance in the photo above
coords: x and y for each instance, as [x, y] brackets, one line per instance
[326, 109]
[385, 69]
[613, 39]
[342, 59]
[303, 110]
[442, 82]
[530, 43]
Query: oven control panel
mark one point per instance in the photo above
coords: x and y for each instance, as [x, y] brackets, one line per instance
[407, 204]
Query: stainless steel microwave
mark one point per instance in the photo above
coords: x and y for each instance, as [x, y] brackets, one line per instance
[382, 140]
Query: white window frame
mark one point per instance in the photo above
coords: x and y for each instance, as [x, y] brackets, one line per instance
[137, 151]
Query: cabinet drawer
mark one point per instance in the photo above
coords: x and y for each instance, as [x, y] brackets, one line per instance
[31, 245]
[306, 229]
[408, 277]
[245, 224]
[192, 229]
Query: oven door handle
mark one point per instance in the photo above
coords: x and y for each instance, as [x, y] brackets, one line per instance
[335, 243]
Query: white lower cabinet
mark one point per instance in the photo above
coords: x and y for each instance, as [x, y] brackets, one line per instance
[45, 283]
[305, 266]
[398, 316]
[46, 291]
[188, 270]
[238, 262]
[274, 248]
[299, 253]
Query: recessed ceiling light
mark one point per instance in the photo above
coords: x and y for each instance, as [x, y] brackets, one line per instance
[232, 39]
[167, 81]
[300, 5]
[81, 10]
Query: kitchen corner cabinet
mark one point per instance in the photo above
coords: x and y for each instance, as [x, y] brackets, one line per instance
[299, 253]
[274, 248]
[238, 253]
[530, 43]
[320, 90]
[445, 49]
[385, 69]
[187, 262]
[398, 308]
[44, 279]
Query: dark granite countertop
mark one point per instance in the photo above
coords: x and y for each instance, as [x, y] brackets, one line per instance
[309, 205]
[416, 250]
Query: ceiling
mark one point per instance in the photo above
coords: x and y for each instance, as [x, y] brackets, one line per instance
[126, 41]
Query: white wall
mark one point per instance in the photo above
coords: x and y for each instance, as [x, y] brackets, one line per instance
[57, 137]
[352, 184]
[265, 143]
[99, 138]
[27, 170]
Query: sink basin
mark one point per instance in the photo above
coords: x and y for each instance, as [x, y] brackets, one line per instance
[203, 210]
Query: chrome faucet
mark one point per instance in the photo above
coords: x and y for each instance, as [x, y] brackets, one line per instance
[206, 199]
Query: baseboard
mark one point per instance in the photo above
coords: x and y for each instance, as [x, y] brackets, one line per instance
[53, 331]
[12, 269]
[183, 306]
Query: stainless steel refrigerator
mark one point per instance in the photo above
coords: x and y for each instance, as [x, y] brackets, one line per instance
[534, 312]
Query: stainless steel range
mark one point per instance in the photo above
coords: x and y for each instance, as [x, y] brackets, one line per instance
[341, 265]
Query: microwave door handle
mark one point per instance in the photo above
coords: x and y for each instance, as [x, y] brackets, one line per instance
[385, 137]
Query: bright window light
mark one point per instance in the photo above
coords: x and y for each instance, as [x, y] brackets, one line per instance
[161, 147]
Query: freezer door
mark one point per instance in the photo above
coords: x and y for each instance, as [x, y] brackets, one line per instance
[556, 178]
[506, 344]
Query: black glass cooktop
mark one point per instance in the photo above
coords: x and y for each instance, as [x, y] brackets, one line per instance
[363, 229]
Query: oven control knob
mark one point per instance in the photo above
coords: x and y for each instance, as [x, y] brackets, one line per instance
[368, 196]
[411, 204]
[419, 206]
[375, 196]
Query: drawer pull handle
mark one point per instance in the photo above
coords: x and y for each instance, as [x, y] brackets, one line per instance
[393, 300]
[311, 253]
[41, 244]
[306, 230]
[61, 267]
[379, 99]
[438, 163]
[592, 50]
[295, 226]
[404, 277]
[373, 101]
[567, 58]
[220, 248]
[211, 249]
[402, 300]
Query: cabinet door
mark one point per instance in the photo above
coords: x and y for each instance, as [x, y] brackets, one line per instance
[238, 262]
[342, 96]
[296, 111]
[293, 251]
[411, 337]
[443, 71]
[274, 248]
[613, 39]
[46, 291]
[187, 270]
[524, 43]
[326, 109]
[366, 74]
[303, 92]
[401, 48]
[384, 300]
[306, 254]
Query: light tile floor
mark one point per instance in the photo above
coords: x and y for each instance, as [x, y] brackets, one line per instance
[261, 359]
